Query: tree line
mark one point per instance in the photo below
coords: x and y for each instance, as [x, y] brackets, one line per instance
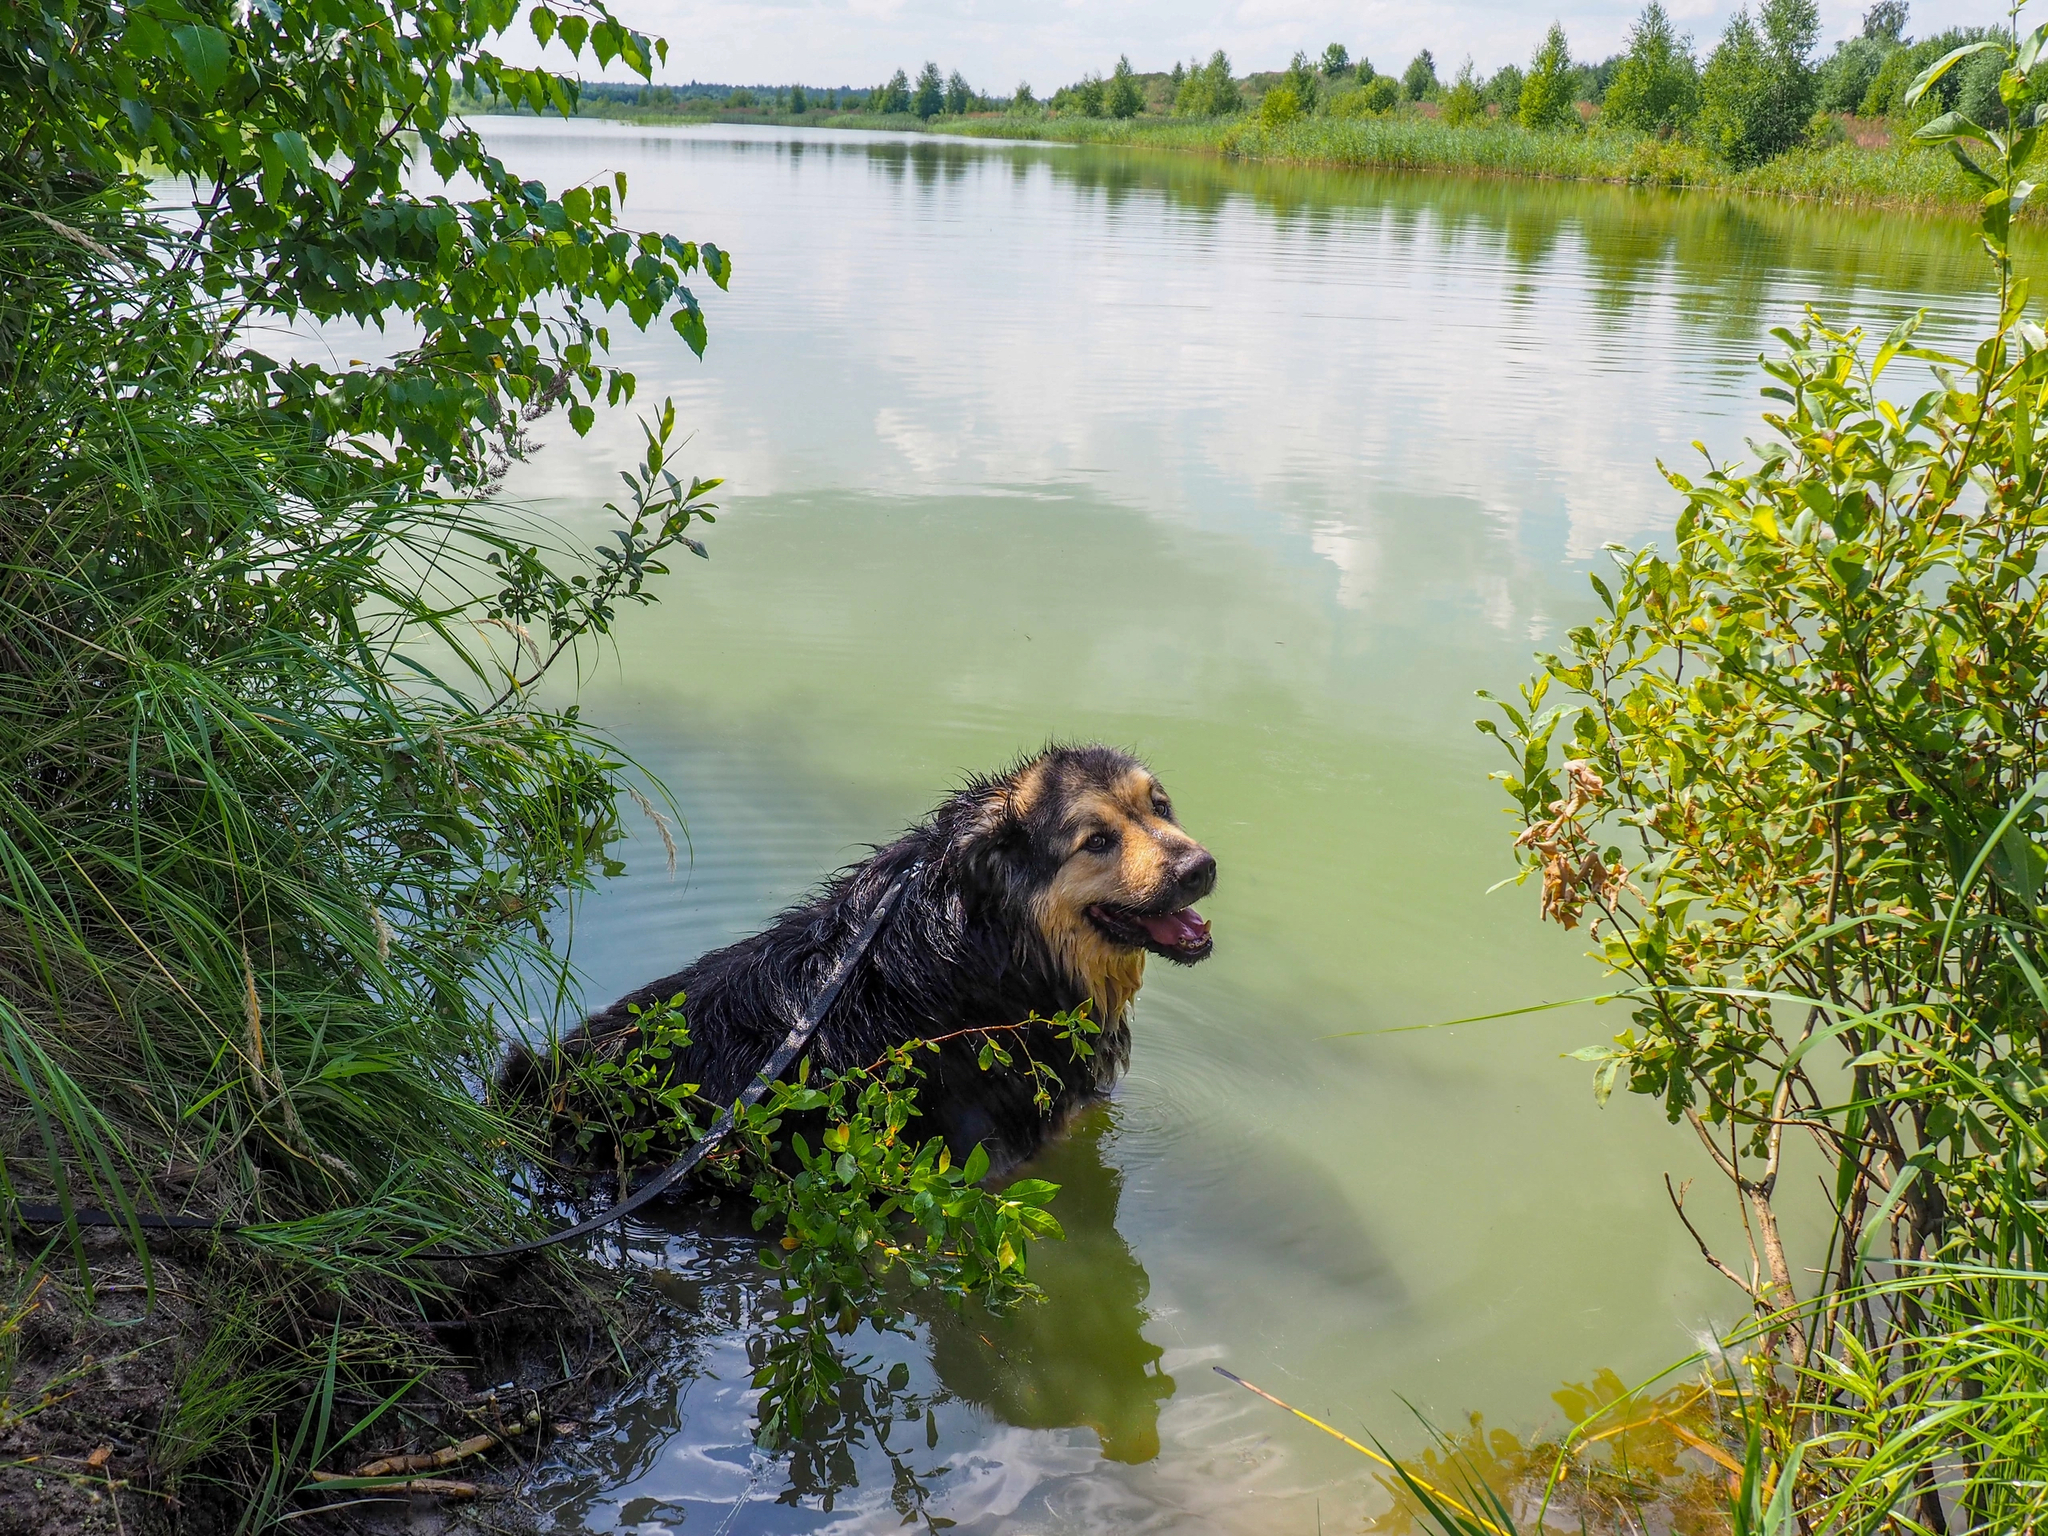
[1762, 89]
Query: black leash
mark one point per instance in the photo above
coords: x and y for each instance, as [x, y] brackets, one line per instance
[44, 1215]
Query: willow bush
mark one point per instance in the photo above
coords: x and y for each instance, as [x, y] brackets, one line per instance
[1796, 776]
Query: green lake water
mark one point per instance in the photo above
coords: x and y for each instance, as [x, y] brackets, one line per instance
[1259, 473]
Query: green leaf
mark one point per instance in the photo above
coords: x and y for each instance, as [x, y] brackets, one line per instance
[1942, 66]
[574, 30]
[291, 144]
[206, 55]
[581, 417]
[1950, 125]
[542, 20]
[977, 1165]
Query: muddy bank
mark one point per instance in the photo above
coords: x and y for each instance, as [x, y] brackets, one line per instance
[173, 1399]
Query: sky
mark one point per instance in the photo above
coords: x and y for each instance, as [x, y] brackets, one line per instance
[1049, 43]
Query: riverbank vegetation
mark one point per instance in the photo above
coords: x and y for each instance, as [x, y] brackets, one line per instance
[287, 832]
[1762, 112]
[1793, 777]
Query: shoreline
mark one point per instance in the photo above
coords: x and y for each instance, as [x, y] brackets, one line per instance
[1902, 179]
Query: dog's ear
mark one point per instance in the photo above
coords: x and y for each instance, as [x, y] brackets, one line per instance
[984, 826]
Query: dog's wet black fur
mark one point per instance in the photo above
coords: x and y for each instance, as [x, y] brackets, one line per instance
[1030, 892]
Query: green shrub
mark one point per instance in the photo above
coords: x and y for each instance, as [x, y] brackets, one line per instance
[1547, 93]
[1656, 86]
[1336, 61]
[1418, 80]
[1125, 98]
[1463, 103]
[1279, 108]
[1504, 91]
[1208, 91]
[1846, 77]
[1301, 79]
[1794, 771]
[1757, 92]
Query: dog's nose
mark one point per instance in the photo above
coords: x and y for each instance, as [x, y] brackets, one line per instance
[1195, 873]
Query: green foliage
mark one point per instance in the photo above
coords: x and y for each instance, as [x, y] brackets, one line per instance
[1797, 775]
[959, 94]
[1885, 22]
[1022, 102]
[1656, 87]
[1849, 72]
[893, 97]
[1464, 102]
[1279, 107]
[1547, 94]
[1125, 98]
[1208, 90]
[1302, 80]
[1085, 98]
[1376, 96]
[283, 116]
[264, 866]
[1757, 93]
[1336, 61]
[798, 105]
[866, 1205]
[1418, 80]
[1504, 91]
[930, 99]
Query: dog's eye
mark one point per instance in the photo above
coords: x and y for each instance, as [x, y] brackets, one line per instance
[1099, 842]
[1162, 807]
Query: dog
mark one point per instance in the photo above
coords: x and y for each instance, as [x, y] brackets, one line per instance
[1029, 893]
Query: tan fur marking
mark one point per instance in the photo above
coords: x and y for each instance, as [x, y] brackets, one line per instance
[1111, 975]
[1026, 788]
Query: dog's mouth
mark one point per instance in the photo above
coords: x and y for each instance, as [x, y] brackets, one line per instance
[1181, 936]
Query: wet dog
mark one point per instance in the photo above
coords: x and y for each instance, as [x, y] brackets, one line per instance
[1030, 893]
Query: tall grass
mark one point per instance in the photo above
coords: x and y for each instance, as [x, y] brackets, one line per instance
[276, 860]
[1901, 176]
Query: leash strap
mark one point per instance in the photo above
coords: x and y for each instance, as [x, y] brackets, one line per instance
[806, 1025]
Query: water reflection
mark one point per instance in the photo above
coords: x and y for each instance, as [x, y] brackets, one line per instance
[1081, 1360]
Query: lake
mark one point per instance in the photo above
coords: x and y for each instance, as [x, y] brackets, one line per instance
[1259, 473]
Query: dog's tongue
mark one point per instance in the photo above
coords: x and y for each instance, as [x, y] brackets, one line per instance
[1184, 929]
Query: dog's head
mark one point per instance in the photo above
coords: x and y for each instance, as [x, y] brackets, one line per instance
[1083, 843]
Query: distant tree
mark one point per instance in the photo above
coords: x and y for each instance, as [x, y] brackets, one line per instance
[1657, 87]
[1022, 101]
[1336, 61]
[1463, 102]
[1504, 91]
[1590, 81]
[959, 94]
[1279, 107]
[1209, 91]
[797, 104]
[1125, 98]
[1300, 78]
[1379, 94]
[1547, 93]
[1885, 22]
[1418, 80]
[893, 97]
[1176, 78]
[930, 100]
[740, 98]
[1846, 75]
[1758, 90]
[1361, 69]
